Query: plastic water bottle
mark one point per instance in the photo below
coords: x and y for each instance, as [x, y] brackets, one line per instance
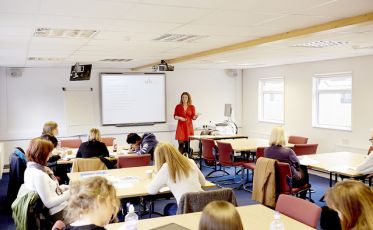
[115, 147]
[130, 220]
[277, 224]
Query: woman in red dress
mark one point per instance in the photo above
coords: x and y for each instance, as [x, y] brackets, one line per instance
[184, 113]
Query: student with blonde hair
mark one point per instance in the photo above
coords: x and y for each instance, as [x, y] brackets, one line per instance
[353, 201]
[220, 215]
[175, 171]
[50, 128]
[93, 147]
[278, 151]
[92, 205]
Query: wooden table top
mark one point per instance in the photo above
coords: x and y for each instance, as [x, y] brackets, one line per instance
[129, 182]
[343, 163]
[252, 216]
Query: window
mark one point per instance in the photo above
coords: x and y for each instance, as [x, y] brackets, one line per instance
[271, 100]
[332, 101]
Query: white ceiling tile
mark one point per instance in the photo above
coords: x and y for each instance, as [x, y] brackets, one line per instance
[16, 31]
[16, 19]
[19, 6]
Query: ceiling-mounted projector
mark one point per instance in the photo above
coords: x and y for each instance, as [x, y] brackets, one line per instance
[163, 66]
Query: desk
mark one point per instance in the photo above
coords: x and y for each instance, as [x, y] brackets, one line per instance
[213, 137]
[246, 145]
[337, 163]
[252, 216]
[138, 186]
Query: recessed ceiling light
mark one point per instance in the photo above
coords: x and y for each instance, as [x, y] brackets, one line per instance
[179, 38]
[320, 44]
[356, 47]
[63, 33]
[249, 64]
[45, 59]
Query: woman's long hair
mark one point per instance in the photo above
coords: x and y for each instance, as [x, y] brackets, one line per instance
[178, 165]
[353, 201]
[189, 98]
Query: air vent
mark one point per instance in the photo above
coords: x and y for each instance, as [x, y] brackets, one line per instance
[116, 60]
[63, 33]
[320, 44]
[179, 38]
[45, 59]
[362, 47]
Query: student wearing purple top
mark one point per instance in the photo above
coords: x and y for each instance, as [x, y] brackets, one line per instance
[278, 152]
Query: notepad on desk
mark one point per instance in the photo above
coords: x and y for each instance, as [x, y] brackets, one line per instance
[305, 160]
[170, 226]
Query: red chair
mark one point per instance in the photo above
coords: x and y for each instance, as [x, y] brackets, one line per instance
[109, 141]
[133, 160]
[305, 149]
[297, 140]
[299, 209]
[250, 166]
[284, 181]
[71, 143]
[207, 154]
[226, 157]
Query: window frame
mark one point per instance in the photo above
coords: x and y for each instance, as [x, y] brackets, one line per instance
[261, 101]
[315, 99]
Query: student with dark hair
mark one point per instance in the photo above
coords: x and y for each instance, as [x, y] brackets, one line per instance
[142, 145]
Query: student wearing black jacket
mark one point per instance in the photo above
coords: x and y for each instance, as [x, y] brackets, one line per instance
[93, 147]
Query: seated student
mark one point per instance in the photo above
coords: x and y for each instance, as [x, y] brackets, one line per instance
[142, 145]
[175, 171]
[366, 167]
[220, 215]
[93, 147]
[39, 178]
[92, 205]
[278, 152]
[353, 201]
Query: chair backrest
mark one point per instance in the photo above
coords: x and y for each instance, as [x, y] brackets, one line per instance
[225, 153]
[87, 164]
[2, 154]
[283, 178]
[196, 201]
[59, 225]
[259, 152]
[133, 160]
[17, 167]
[305, 149]
[108, 141]
[207, 146]
[297, 140]
[71, 143]
[299, 209]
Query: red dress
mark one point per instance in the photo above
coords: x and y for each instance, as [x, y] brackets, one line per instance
[184, 128]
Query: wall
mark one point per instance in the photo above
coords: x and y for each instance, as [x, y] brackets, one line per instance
[27, 102]
[298, 102]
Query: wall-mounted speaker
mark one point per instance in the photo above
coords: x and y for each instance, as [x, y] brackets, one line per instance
[227, 110]
[231, 72]
[14, 72]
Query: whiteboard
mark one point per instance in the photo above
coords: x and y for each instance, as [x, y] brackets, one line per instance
[133, 98]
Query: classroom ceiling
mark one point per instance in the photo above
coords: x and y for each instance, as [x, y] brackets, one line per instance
[128, 29]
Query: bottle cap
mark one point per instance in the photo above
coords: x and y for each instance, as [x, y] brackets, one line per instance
[131, 208]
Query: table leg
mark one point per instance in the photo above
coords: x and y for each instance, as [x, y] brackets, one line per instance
[330, 179]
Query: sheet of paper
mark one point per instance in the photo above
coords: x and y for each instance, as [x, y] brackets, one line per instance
[339, 168]
[305, 160]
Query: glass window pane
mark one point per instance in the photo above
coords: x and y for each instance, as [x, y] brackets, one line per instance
[334, 109]
[273, 85]
[273, 107]
[334, 83]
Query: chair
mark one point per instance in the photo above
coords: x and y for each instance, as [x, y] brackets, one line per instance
[305, 149]
[87, 164]
[207, 154]
[59, 225]
[297, 140]
[299, 209]
[226, 157]
[284, 181]
[71, 143]
[17, 167]
[196, 201]
[250, 166]
[109, 141]
[133, 160]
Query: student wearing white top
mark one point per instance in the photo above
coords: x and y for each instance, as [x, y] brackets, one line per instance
[39, 178]
[175, 171]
